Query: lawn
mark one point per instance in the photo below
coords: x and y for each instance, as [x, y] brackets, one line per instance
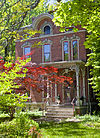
[86, 126]
[82, 129]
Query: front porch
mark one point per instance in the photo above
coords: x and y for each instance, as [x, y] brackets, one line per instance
[61, 95]
[64, 94]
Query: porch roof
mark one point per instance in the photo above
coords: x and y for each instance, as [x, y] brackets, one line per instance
[64, 64]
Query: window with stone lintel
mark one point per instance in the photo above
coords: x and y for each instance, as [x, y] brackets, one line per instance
[65, 50]
[74, 47]
[46, 50]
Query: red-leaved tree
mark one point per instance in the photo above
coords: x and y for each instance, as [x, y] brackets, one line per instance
[24, 74]
[37, 76]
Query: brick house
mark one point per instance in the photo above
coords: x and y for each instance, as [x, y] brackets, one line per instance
[64, 50]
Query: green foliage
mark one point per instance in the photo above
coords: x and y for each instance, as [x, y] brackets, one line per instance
[14, 15]
[8, 98]
[12, 18]
[4, 117]
[34, 114]
[87, 14]
[88, 117]
[20, 127]
[41, 8]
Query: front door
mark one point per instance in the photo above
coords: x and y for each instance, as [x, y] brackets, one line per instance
[67, 96]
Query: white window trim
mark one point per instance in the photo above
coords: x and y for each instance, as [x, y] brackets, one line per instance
[73, 38]
[24, 49]
[26, 44]
[43, 52]
[63, 50]
[65, 39]
[49, 42]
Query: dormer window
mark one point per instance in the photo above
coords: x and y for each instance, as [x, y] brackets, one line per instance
[47, 30]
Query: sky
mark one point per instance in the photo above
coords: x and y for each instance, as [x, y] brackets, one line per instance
[53, 1]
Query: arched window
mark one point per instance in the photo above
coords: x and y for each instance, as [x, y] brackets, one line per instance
[47, 30]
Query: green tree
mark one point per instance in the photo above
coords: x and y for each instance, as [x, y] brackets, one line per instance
[8, 73]
[14, 15]
[12, 18]
[42, 7]
[87, 14]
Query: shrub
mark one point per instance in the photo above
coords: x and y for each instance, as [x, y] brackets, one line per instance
[20, 126]
[34, 114]
[4, 117]
[89, 117]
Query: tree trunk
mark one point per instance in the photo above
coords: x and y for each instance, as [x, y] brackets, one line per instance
[11, 111]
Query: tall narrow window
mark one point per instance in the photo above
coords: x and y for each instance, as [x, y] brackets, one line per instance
[46, 52]
[66, 50]
[75, 50]
[26, 51]
[47, 30]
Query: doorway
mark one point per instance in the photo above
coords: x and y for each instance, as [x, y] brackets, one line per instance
[70, 89]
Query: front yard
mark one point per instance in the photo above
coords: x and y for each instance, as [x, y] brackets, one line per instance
[85, 128]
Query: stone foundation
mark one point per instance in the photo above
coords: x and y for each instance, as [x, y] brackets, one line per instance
[81, 110]
[35, 106]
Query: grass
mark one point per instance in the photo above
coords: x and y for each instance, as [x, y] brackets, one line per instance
[87, 127]
[83, 129]
[32, 114]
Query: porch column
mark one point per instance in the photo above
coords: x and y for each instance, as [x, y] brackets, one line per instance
[51, 91]
[48, 96]
[43, 92]
[55, 91]
[63, 93]
[77, 85]
[42, 95]
[83, 75]
[30, 93]
[47, 86]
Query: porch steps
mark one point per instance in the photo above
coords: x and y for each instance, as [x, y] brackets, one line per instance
[59, 111]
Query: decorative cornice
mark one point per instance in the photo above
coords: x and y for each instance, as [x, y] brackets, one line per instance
[52, 35]
[64, 64]
[47, 41]
[64, 38]
[39, 18]
[26, 44]
[75, 37]
[73, 67]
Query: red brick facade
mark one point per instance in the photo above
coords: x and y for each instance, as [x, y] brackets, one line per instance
[74, 68]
